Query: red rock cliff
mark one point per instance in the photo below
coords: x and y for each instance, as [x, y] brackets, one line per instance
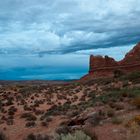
[106, 66]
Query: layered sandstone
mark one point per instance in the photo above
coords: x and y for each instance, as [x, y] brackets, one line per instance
[106, 66]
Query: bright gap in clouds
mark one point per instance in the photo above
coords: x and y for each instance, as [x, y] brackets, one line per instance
[64, 67]
[117, 53]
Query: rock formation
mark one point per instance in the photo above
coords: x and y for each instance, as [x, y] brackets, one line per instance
[106, 66]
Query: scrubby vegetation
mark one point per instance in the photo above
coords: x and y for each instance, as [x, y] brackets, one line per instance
[37, 137]
[78, 135]
[136, 102]
[68, 107]
[2, 136]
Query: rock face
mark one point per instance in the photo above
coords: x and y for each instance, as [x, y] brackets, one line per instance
[106, 66]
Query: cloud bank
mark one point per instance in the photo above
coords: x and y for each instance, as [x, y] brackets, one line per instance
[67, 27]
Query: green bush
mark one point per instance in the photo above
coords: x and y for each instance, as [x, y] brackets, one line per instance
[78, 135]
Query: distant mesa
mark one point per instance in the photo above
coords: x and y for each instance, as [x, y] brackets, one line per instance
[106, 66]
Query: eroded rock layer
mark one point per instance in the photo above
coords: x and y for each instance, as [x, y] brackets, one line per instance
[106, 66]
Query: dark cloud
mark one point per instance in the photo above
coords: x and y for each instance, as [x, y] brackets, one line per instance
[66, 27]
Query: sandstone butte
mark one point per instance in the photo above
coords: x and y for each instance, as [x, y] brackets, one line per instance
[106, 66]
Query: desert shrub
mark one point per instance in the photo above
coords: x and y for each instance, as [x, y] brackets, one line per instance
[134, 77]
[10, 117]
[94, 119]
[91, 133]
[1, 104]
[78, 135]
[116, 95]
[124, 94]
[119, 106]
[28, 90]
[9, 101]
[45, 120]
[3, 110]
[37, 137]
[137, 119]
[134, 92]
[48, 119]
[111, 104]
[10, 122]
[30, 124]
[104, 99]
[110, 112]
[31, 137]
[42, 137]
[118, 73]
[116, 120]
[58, 110]
[28, 116]
[73, 113]
[3, 118]
[27, 108]
[64, 129]
[75, 97]
[74, 107]
[12, 110]
[136, 102]
[92, 95]
[25, 92]
[134, 121]
[45, 124]
[36, 103]
[39, 112]
[2, 136]
[102, 113]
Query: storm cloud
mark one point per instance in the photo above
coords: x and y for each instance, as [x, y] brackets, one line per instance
[68, 27]
[63, 26]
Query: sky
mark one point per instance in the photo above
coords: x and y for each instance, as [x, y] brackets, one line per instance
[53, 39]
